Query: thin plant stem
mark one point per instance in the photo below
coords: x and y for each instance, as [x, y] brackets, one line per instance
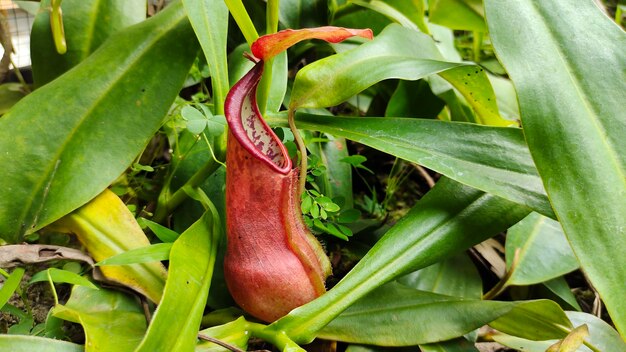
[278, 339]
[221, 343]
[429, 180]
[504, 282]
[301, 147]
[180, 195]
[19, 76]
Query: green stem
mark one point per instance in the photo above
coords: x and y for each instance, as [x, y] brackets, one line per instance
[239, 13]
[278, 339]
[180, 195]
[477, 45]
[301, 148]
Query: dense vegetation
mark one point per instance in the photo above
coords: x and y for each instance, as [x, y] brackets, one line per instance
[465, 175]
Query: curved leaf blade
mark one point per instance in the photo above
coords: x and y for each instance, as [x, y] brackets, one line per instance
[10, 284]
[601, 335]
[104, 313]
[493, 159]
[61, 276]
[544, 251]
[176, 321]
[105, 238]
[573, 115]
[152, 253]
[386, 317]
[63, 144]
[209, 20]
[454, 276]
[23, 343]
[536, 320]
[397, 52]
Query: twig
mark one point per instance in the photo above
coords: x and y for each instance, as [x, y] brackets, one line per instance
[226, 345]
[429, 180]
[291, 117]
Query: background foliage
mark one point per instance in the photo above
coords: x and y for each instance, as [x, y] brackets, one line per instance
[466, 170]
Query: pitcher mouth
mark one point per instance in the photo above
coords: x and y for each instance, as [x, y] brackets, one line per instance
[249, 128]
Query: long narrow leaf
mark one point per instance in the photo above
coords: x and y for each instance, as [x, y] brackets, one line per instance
[113, 321]
[386, 317]
[176, 322]
[67, 141]
[10, 284]
[210, 23]
[22, 343]
[492, 159]
[567, 59]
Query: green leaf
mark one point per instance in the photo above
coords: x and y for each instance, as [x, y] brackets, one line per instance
[62, 277]
[163, 233]
[396, 53]
[10, 284]
[572, 112]
[386, 317]
[22, 343]
[196, 121]
[69, 153]
[10, 94]
[414, 99]
[391, 12]
[602, 336]
[307, 203]
[535, 320]
[105, 314]
[103, 238]
[493, 159]
[278, 85]
[520, 344]
[327, 204]
[303, 13]
[337, 180]
[459, 344]
[561, 289]
[234, 333]
[544, 253]
[458, 14]
[176, 321]
[454, 276]
[209, 20]
[450, 218]
[87, 24]
[152, 253]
